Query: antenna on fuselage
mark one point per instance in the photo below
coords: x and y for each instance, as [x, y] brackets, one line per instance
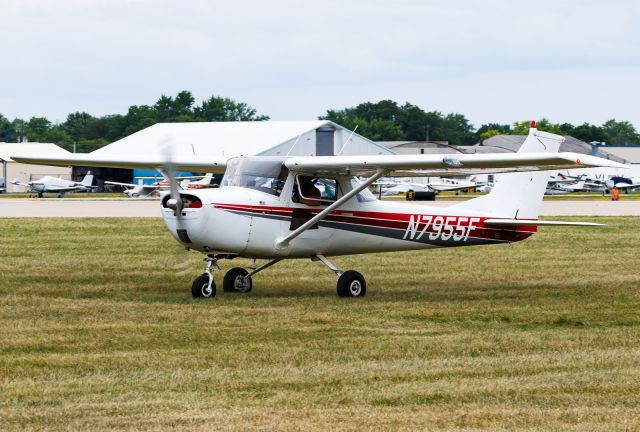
[347, 141]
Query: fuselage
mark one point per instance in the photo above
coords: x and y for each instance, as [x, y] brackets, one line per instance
[54, 184]
[248, 222]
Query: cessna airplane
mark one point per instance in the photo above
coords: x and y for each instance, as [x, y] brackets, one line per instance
[279, 208]
[57, 185]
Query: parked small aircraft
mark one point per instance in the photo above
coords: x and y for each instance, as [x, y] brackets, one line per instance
[57, 185]
[438, 185]
[625, 183]
[144, 190]
[278, 208]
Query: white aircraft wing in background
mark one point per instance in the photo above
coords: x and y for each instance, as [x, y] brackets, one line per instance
[130, 185]
[19, 183]
[184, 163]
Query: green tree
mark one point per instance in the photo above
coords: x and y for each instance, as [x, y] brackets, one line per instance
[379, 130]
[620, 132]
[456, 129]
[419, 125]
[488, 133]
[387, 121]
[7, 131]
[589, 133]
[224, 109]
[36, 129]
[494, 129]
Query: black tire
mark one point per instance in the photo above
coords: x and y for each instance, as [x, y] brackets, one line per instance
[351, 284]
[200, 287]
[233, 281]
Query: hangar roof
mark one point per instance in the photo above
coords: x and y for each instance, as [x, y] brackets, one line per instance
[511, 143]
[215, 138]
[8, 149]
[632, 154]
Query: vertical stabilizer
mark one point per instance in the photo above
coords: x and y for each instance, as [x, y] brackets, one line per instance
[87, 180]
[519, 195]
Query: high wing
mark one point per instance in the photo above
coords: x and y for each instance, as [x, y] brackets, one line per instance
[445, 165]
[184, 163]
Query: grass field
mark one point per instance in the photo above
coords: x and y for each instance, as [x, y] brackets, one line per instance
[98, 331]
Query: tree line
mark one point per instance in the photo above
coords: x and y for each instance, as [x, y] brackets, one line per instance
[388, 121]
[87, 133]
[385, 120]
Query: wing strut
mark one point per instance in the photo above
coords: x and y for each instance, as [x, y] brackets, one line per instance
[283, 242]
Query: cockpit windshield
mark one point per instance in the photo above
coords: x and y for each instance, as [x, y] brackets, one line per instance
[265, 174]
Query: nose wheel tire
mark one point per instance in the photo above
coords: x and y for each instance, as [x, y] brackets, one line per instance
[351, 284]
[201, 289]
[236, 280]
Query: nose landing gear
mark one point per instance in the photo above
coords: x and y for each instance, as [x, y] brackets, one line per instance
[204, 286]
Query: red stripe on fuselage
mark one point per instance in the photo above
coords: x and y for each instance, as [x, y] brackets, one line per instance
[398, 221]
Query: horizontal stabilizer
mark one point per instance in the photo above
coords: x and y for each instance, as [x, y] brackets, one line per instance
[532, 222]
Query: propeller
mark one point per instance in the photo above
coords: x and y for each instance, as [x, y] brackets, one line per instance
[182, 262]
[175, 202]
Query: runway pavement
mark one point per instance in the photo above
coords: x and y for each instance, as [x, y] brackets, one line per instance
[96, 207]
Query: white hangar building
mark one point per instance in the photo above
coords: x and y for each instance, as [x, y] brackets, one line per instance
[268, 138]
[26, 172]
[215, 139]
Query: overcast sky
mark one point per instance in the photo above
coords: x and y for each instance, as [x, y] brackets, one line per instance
[502, 61]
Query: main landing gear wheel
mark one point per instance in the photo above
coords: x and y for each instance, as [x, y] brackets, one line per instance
[351, 284]
[236, 280]
[201, 289]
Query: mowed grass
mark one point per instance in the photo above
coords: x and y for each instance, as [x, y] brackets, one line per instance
[98, 331]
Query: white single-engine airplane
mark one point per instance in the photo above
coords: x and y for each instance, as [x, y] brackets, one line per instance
[57, 185]
[278, 208]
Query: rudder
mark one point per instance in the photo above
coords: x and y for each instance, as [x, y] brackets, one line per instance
[519, 195]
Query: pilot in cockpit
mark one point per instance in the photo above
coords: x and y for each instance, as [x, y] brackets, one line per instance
[308, 193]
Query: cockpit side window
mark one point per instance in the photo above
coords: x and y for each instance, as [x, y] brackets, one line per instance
[266, 175]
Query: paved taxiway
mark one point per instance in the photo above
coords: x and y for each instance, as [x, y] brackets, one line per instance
[96, 207]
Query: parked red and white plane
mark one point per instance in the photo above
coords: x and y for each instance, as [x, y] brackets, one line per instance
[278, 208]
